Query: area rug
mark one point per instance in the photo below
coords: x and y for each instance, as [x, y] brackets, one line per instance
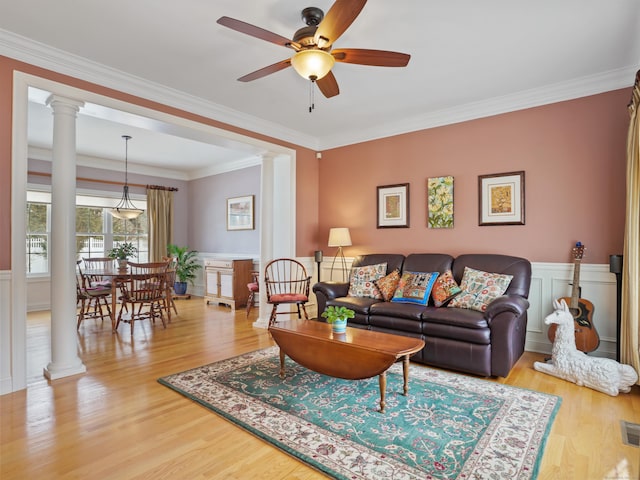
[450, 426]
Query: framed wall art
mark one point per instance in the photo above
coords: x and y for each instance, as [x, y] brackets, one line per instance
[393, 206]
[240, 213]
[440, 202]
[501, 199]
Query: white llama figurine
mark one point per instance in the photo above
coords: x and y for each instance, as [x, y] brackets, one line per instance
[569, 363]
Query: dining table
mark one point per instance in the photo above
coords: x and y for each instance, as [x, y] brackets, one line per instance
[117, 276]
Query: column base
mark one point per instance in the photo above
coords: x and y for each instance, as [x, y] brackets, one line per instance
[53, 372]
[261, 323]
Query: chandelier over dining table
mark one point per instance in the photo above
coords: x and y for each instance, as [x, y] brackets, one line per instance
[125, 209]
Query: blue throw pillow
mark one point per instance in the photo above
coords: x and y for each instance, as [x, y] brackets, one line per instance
[415, 287]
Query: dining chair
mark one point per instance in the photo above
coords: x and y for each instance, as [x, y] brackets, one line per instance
[254, 291]
[93, 301]
[98, 263]
[287, 283]
[145, 287]
[171, 279]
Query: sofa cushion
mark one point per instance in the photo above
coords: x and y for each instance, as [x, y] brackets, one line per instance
[444, 289]
[401, 310]
[479, 288]
[520, 268]
[393, 260]
[357, 304]
[459, 317]
[361, 280]
[387, 285]
[415, 287]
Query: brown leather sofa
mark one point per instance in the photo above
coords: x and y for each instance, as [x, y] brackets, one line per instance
[483, 343]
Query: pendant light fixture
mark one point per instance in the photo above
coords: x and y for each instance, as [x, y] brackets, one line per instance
[125, 210]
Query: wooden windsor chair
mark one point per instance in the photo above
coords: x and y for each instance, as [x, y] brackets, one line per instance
[287, 283]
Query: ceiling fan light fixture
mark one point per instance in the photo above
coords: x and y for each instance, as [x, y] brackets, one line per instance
[312, 64]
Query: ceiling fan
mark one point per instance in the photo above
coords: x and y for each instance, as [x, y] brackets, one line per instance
[314, 57]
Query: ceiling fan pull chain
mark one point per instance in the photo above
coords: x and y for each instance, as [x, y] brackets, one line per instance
[312, 104]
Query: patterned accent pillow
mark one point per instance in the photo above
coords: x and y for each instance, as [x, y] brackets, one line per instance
[387, 285]
[415, 287]
[479, 289]
[361, 280]
[444, 289]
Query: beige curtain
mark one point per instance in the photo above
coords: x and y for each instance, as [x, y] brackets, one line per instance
[630, 318]
[160, 216]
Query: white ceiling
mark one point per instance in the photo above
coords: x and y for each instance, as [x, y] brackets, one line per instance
[469, 58]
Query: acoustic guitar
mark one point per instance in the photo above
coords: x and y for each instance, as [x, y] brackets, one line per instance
[587, 338]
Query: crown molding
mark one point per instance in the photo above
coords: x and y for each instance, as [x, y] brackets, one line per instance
[46, 154]
[225, 168]
[559, 92]
[44, 56]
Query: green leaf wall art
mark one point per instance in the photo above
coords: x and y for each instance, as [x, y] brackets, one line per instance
[440, 202]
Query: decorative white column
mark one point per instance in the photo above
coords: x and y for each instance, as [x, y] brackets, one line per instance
[64, 350]
[266, 233]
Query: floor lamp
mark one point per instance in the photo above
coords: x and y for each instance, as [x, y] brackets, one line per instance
[339, 237]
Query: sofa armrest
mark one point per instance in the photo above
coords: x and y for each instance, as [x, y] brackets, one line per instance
[328, 291]
[507, 319]
[507, 303]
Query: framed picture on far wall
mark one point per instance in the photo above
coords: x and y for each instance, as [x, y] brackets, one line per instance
[393, 206]
[501, 199]
[240, 213]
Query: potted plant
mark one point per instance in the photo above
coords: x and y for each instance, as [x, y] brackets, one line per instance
[122, 253]
[337, 317]
[186, 265]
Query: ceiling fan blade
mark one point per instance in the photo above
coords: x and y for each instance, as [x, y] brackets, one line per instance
[257, 32]
[328, 85]
[379, 58]
[263, 72]
[339, 17]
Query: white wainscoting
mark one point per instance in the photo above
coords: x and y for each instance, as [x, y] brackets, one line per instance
[6, 350]
[551, 281]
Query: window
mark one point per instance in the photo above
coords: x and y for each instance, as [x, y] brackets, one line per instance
[96, 230]
[90, 232]
[134, 231]
[37, 237]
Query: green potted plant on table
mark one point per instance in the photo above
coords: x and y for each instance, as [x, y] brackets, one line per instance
[186, 265]
[122, 253]
[337, 317]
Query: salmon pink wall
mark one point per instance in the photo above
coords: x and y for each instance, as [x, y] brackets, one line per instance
[306, 176]
[573, 155]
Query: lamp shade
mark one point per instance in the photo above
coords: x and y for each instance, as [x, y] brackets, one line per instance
[312, 64]
[339, 237]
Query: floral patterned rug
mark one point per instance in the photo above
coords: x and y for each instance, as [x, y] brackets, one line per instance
[449, 426]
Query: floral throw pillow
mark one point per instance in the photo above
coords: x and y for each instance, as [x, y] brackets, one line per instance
[362, 280]
[479, 289]
[387, 285]
[415, 287]
[444, 289]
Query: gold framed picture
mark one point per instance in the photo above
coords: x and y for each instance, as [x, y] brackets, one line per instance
[501, 199]
[393, 206]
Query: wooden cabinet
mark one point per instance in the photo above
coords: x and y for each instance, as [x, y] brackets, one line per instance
[226, 281]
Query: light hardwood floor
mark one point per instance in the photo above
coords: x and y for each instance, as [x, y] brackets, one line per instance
[117, 422]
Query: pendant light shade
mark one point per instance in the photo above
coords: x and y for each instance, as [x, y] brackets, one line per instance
[125, 210]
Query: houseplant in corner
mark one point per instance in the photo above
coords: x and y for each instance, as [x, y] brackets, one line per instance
[122, 253]
[186, 265]
[337, 317]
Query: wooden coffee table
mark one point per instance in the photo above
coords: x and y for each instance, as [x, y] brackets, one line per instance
[354, 355]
